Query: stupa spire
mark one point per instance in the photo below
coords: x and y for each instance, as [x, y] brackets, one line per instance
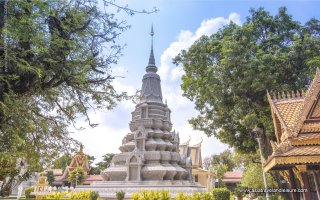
[151, 87]
[151, 67]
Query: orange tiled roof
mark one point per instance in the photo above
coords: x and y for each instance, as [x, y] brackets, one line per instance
[302, 151]
[232, 175]
[288, 110]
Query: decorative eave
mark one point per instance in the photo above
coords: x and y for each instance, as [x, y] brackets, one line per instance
[292, 155]
[306, 139]
[274, 111]
[278, 161]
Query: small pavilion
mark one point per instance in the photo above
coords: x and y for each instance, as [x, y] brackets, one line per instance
[200, 175]
[79, 160]
[296, 150]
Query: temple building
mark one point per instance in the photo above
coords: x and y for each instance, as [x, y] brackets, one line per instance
[296, 150]
[200, 175]
[79, 160]
[232, 179]
[149, 157]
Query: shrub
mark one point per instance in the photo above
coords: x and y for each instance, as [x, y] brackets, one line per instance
[221, 193]
[83, 195]
[94, 195]
[120, 195]
[135, 196]
[238, 192]
[56, 196]
[50, 177]
[182, 196]
[28, 191]
[206, 196]
[77, 176]
[165, 195]
[196, 196]
[152, 195]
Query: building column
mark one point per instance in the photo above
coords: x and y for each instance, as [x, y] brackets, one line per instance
[316, 183]
[302, 175]
[294, 195]
[306, 185]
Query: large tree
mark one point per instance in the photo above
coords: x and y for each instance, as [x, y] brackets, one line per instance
[55, 59]
[228, 74]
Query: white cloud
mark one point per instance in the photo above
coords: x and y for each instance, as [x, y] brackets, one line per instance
[119, 71]
[181, 107]
[186, 39]
[121, 87]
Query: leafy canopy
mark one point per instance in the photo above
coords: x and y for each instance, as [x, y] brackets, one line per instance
[55, 59]
[228, 73]
[252, 177]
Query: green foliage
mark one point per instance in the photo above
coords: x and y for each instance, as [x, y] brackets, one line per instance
[165, 195]
[62, 162]
[50, 177]
[227, 74]
[93, 170]
[253, 179]
[152, 195]
[135, 196]
[221, 193]
[12, 173]
[207, 196]
[225, 157]
[94, 195]
[242, 160]
[83, 195]
[54, 68]
[182, 196]
[77, 176]
[238, 192]
[106, 161]
[120, 195]
[196, 196]
[56, 196]
[27, 192]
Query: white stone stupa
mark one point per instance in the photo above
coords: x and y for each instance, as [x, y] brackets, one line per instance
[149, 158]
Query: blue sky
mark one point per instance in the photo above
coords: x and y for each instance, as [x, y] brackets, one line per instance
[177, 25]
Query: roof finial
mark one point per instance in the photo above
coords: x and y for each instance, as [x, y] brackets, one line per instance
[151, 64]
[81, 148]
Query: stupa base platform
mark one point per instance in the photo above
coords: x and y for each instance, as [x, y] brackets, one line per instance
[108, 189]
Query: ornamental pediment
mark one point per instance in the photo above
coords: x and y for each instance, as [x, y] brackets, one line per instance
[296, 111]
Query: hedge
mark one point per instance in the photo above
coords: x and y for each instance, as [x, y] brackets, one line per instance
[221, 193]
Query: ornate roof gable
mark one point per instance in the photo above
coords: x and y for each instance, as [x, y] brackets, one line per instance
[291, 110]
[309, 104]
